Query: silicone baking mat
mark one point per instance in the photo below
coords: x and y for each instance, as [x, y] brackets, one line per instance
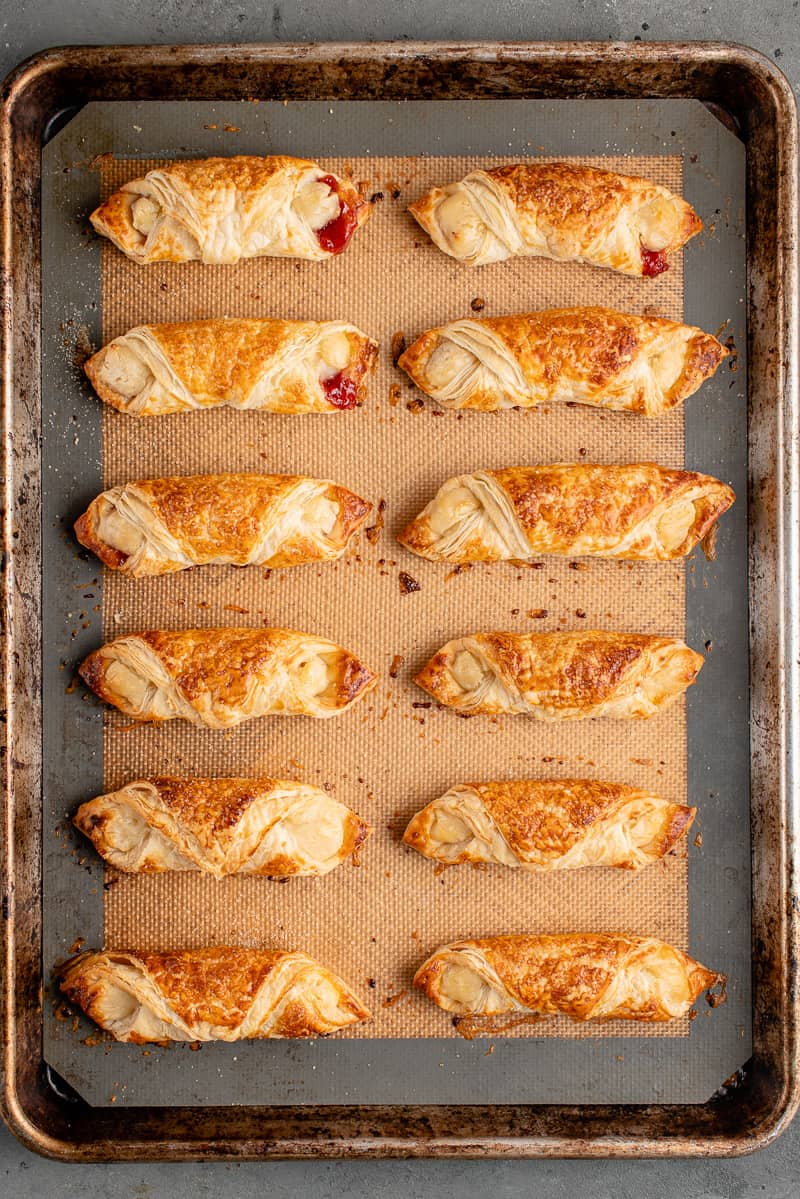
[375, 921]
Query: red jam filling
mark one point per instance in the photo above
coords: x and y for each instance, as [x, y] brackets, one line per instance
[341, 391]
[334, 236]
[654, 262]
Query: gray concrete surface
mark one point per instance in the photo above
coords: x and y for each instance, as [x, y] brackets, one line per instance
[774, 28]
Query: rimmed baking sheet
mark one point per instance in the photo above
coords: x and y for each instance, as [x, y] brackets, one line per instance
[389, 452]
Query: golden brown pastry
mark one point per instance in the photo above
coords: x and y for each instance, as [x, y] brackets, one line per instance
[255, 365]
[219, 210]
[637, 511]
[558, 210]
[221, 677]
[158, 526]
[587, 976]
[549, 824]
[269, 827]
[561, 676]
[593, 356]
[216, 994]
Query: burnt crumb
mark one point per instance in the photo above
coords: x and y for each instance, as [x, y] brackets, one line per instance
[390, 1000]
[709, 544]
[716, 997]
[579, 612]
[698, 840]
[398, 346]
[100, 161]
[421, 704]
[733, 360]
[709, 645]
[582, 453]
[415, 405]
[397, 662]
[372, 983]
[537, 613]
[394, 394]
[692, 158]
[374, 531]
[376, 197]
[109, 883]
[478, 304]
[408, 584]
[395, 193]
[83, 349]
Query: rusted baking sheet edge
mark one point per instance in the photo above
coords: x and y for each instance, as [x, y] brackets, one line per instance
[754, 99]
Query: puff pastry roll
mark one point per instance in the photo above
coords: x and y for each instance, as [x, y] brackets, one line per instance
[258, 365]
[561, 676]
[637, 511]
[586, 976]
[219, 210]
[594, 356]
[221, 677]
[549, 824]
[561, 211]
[216, 994]
[222, 826]
[158, 526]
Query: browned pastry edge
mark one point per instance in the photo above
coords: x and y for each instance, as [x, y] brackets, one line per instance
[609, 338]
[358, 370]
[112, 218]
[173, 494]
[211, 985]
[210, 809]
[193, 676]
[510, 805]
[593, 662]
[564, 990]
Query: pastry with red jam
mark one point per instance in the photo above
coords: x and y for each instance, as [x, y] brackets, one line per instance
[558, 210]
[220, 210]
[260, 365]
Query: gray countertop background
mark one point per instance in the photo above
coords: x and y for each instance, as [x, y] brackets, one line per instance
[27, 26]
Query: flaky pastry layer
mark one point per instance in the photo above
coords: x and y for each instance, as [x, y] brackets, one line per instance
[215, 994]
[158, 526]
[269, 827]
[639, 511]
[248, 364]
[594, 356]
[219, 210]
[548, 824]
[586, 976]
[561, 211]
[561, 676]
[222, 677]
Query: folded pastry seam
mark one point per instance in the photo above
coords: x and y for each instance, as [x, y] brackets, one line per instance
[561, 676]
[218, 993]
[586, 976]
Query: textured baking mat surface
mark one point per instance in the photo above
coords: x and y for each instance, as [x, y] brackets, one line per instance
[389, 451]
[375, 920]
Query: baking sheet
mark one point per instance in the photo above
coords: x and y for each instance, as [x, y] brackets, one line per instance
[405, 756]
